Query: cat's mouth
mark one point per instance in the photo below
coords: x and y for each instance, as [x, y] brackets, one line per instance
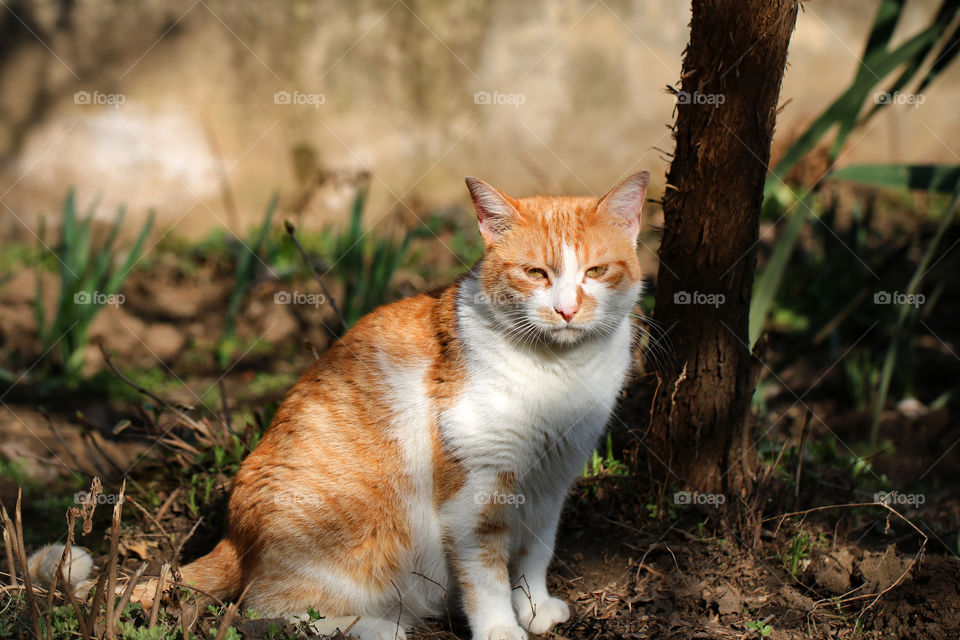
[567, 333]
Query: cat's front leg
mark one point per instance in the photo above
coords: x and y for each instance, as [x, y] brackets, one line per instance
[536, 609]
[477, 525]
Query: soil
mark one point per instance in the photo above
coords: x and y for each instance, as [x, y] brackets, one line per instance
[629, 564]
[627, 575]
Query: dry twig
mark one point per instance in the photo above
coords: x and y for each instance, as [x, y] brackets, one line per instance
[875, 596]
[112, 564]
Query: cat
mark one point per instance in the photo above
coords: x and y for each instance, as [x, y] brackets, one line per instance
[429, 451]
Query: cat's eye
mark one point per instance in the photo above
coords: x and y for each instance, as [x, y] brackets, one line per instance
[536, 273]
[596, 272]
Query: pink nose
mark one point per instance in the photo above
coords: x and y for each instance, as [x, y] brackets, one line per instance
[567, 312]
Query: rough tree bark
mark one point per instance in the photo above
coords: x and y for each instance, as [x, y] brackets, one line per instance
[727, 104]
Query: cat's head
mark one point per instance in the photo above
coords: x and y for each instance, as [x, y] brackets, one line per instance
[560, 269]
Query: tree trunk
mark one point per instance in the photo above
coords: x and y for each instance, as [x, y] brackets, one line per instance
[732, 71]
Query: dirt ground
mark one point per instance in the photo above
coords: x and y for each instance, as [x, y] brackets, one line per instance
[672, 582]
[630, 563]
[628, 575]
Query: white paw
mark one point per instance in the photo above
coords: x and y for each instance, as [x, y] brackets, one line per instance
[506, 633]
[549, 613]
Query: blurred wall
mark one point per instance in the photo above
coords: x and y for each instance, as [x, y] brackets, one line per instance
[182, 105]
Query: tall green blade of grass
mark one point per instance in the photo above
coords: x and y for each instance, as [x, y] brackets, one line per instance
[928, 177]
[106, 281]
[366, 263]
[904, 311]
[947, 51]
[878, 62]
[85, 271]
[768, 282]
[351, 250]
[934, 178]
[950, 48]
[38, 310]
[243, 278]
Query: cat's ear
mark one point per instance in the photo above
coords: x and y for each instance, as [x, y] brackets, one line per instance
[625, 203]
[496, 211]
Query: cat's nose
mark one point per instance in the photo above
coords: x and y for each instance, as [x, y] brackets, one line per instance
[567, 311]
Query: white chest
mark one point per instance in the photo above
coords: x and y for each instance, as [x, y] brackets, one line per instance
[523, 407]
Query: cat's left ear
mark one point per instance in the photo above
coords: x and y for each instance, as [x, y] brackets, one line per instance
[496, 211]
[625, 203]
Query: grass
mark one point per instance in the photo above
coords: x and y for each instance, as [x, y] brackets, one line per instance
[21, 255]
[797, 552]
[244, 277]
[862, 370]
[915, 65]
[904, 311]
[67, 615]
[761, 627]
[829, 304]
[69, 622]
[89, 279]
[366, 263]
[267, 383]
[219, 444]
[363, 260]
[605, 464]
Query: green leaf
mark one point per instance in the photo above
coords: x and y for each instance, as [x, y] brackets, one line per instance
[113, 284]
[245, 274]
[942, 20]
[926, 177]
[768, 283]
[951, 45]
[83, 268]
[877, 64]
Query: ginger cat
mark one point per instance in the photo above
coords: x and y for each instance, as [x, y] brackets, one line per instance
[440, 436]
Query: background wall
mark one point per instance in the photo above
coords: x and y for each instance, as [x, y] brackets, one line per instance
[166, 104]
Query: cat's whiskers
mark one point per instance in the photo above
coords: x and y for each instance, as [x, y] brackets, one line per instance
[658, 351]
[529, 335]
[518, 328]
[663, 341]
[517, 335]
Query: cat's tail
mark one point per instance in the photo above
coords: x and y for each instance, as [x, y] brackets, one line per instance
[76, 566]
[216, 574]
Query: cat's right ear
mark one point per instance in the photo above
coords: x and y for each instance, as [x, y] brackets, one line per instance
[496, 211]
